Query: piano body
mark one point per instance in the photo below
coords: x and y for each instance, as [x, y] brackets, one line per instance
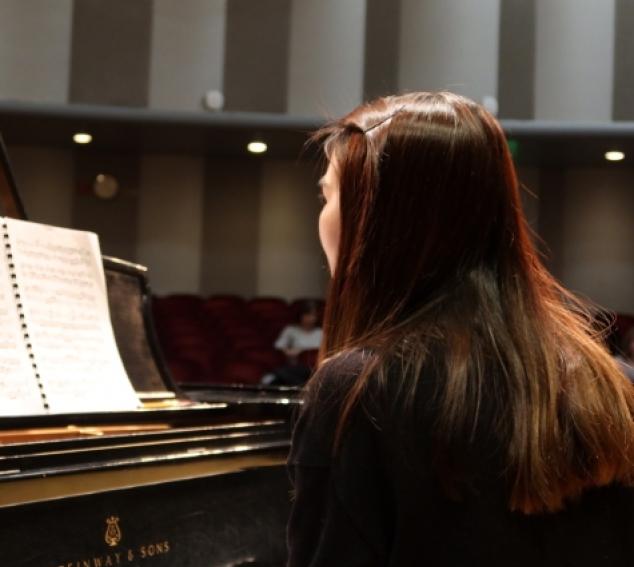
[179, 483]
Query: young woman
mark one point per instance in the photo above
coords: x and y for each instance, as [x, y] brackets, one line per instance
[464, 412]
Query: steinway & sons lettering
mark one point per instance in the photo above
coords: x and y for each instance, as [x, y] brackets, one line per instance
[114, 558]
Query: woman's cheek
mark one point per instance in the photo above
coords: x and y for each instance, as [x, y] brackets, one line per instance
[329, 233]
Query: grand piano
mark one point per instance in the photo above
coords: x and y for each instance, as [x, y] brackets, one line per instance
[188, 480]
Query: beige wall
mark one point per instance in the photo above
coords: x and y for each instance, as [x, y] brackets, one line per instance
[260, 229]
[598, 236]
[170, 221]
[586, 218]
[114, 220]
[230, 230]
[46, 181]
[449, 45]
[289, 255]
[557, 61]
[187, 52]
[35, 44]
[529, 191]
[325, 75]
[249, 226]
[244, 226]
[574, 59]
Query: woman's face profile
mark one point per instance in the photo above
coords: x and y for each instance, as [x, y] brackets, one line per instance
[329, 219]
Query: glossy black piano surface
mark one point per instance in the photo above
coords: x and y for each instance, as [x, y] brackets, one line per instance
[194, 486]
[229, 519]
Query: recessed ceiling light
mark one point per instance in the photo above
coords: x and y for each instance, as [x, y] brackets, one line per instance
[614, 155]
[257, 147]
[82, 138]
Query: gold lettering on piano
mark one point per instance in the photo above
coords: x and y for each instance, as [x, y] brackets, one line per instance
[113, 532]
[115, 558]
[154, 549]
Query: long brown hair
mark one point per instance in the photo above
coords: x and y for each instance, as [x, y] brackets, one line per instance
[435, 250]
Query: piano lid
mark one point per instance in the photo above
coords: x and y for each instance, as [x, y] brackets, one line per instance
[10, 201]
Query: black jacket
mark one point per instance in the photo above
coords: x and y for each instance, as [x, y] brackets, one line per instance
[378, 502]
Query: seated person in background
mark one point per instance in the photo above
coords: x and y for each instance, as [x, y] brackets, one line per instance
[293, 340]
[626, 357]
[304, 336]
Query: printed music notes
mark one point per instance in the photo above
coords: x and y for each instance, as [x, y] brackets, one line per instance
[55, 305]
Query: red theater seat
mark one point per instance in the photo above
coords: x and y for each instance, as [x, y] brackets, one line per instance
[308, 358]
[198, 337]
[224, 304]
[181, 303]
[243, 372]
[268, 358]
[269, 307]
[247, 343]
[185, 370]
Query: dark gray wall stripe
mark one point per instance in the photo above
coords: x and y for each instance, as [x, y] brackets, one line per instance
[623, 95]
[516, 59]
[110, 53]
[256, 55]
[231, 210]
[551, 220]
[380, 71]
[114, 220]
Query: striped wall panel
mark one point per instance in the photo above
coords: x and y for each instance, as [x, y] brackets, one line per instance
[516, 59]
[187, 52]
[623, 92]
[540, 58]
[110, 56]
[35, 44]
[256, 55]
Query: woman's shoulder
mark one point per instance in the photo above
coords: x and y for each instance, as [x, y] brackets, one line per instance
[342, 368]
[332, 381]
[384, 381]
[323, 399]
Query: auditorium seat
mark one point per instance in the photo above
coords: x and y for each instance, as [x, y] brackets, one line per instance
[269, 358]
[268, 308]
[223, 338]
[179, 303]
[184, 371]
[224, 304]
[267, 304]
[248, 342]
[308, 358]
[273, 314]
[242, 371]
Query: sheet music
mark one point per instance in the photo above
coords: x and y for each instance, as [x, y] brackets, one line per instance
[19, 392]
[61, 278]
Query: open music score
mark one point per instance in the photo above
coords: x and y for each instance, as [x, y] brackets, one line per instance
[18, 388]
[59, 353]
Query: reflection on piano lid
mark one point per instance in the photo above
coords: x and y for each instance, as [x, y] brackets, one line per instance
[196, 480]
[10, 202]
